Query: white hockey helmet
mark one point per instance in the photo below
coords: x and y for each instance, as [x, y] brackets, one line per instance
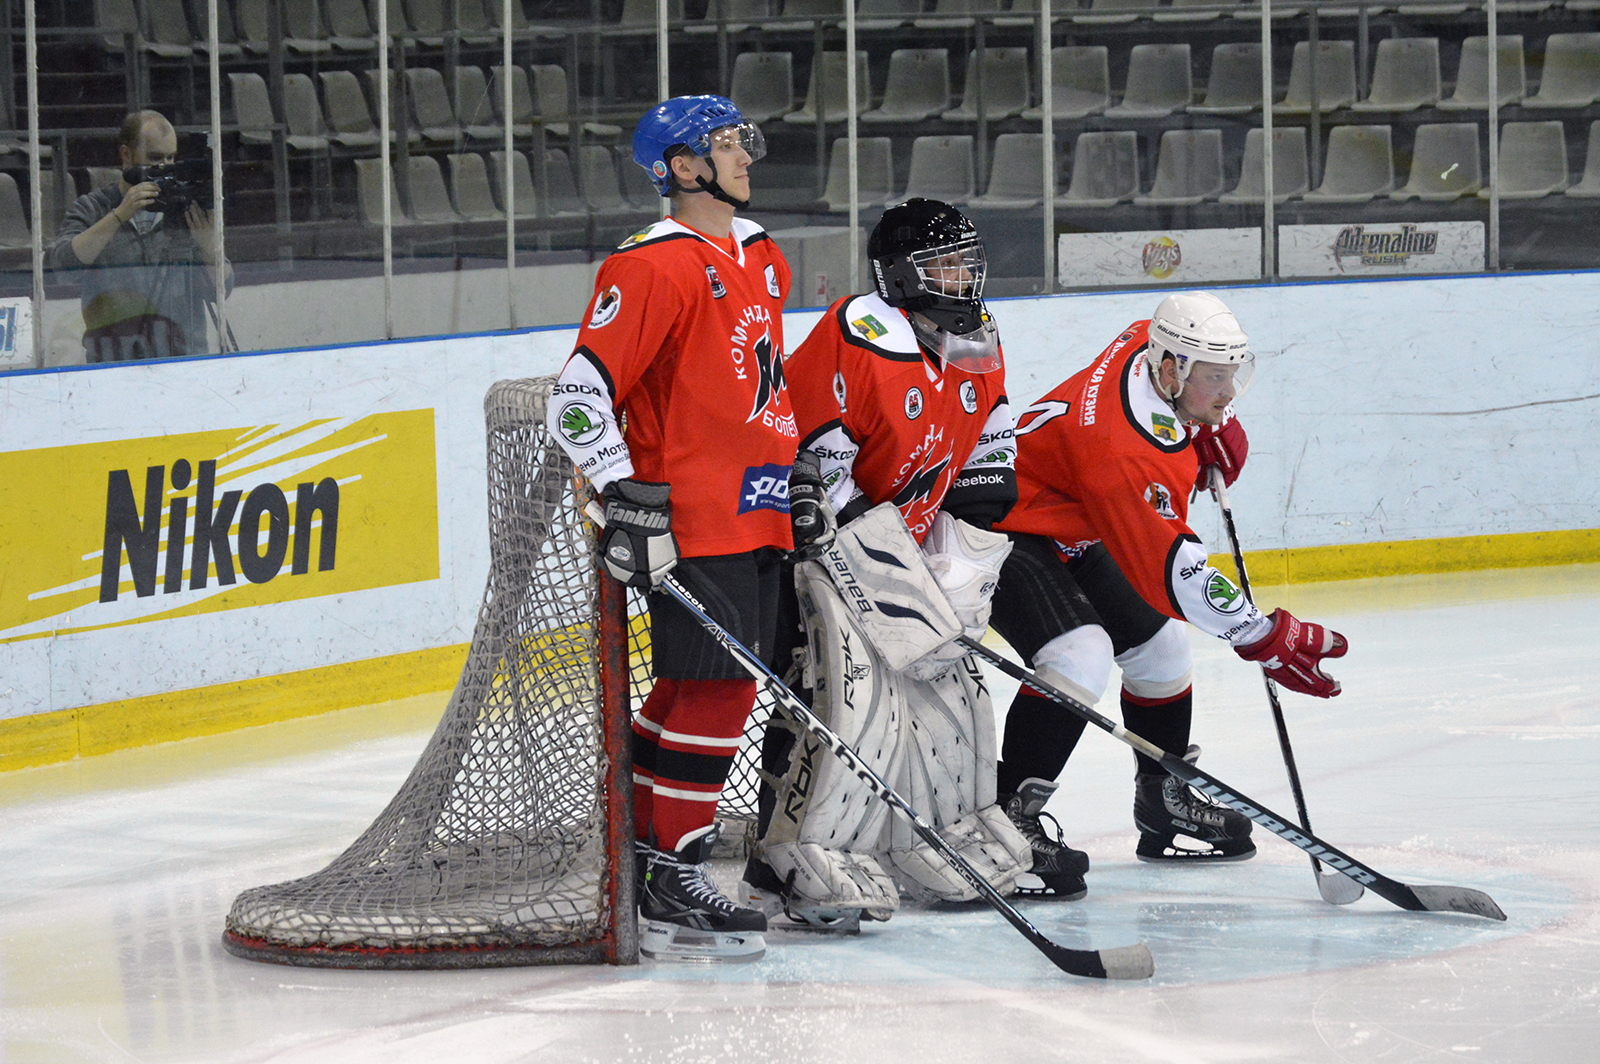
[1199, 327]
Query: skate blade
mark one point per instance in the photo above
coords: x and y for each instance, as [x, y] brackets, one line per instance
[669, 942]
[1174, 853]
[782, 916]
[1031, 886]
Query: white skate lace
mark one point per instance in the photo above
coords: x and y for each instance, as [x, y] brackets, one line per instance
[697, 883]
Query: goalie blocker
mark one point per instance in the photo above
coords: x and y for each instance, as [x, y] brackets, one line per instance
[830, 855]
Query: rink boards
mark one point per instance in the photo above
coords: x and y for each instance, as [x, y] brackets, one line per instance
[330, 544]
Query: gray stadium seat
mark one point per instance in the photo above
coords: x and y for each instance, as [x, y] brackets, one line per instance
[1109, 12]
[170, 36]
[1195, 10]
[1159, 82]
[886, 14]
[1405, 75]
[349, 27]
[303, 114]
[302, 25]
[369, 193]
[1081, 76]
[1016, 173]
[14, 231]
[430, 105]
[1005, 85]
[1571, 71]
[1444, 163]
[524, 202]
[1188, 169]
[1290, 175]
[469, 187]
[561, 190]
[522, 110]
[601, 188]
[1533, 160]
[252, 108]
[430, 200]
[1589, 186]
[763, 84]
[1359, 166]
[874, 173]
[1472, 75]
[941, 169]
[473, 107]
[1336, 78]
[349, 120]
[551, 103]
[956, 14]
[918, 86]
[397, 105]
[831, 69]
[739, 16]
[1105, 170]
[1234, 86]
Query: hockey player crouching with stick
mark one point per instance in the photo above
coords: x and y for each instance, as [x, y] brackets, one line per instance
[685, 338]
[1104, 566]
[906, 431]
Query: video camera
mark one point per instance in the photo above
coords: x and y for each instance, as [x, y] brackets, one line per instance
[181, 183]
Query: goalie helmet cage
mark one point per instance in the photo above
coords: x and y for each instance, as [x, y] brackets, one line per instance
[511, 841]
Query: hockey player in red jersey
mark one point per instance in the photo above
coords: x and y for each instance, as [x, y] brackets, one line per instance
[1105, 567]
[900, 398]
[683, 345]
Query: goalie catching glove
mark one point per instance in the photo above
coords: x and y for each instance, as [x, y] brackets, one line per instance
[815, 527]
[965, 561]
[1292, 653]
[637, 545]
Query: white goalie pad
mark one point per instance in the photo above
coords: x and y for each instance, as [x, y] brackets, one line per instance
[826, 825]
[894, 599]
[947, 773]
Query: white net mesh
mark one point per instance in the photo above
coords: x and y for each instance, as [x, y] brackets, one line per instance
[508, 844]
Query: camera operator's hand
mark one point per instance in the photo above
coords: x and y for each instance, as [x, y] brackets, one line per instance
[200, 227]
[137, 198]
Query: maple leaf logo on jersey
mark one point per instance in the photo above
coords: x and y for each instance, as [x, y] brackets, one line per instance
[920, 486]
[769, 369]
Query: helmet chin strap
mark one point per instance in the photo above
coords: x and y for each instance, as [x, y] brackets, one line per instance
[713, 188]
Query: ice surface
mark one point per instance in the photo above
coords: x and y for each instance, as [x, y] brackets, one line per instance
[1462, 752]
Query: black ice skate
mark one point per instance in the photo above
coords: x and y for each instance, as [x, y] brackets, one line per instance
[685, 917]
[1058, 869]
[1166, 807]
[762, 889]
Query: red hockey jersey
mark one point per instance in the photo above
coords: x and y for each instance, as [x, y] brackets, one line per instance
[1104, 458]
[890, 422]
[684, 338]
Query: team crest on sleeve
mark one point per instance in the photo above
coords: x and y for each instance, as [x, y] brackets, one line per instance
[772, 281]
[1164, 427]
[913, 403]
[1160, 500]
[717, 291]
[868, 328]
[969, 397]
[636, 238]
[839, 390]
[606, 306]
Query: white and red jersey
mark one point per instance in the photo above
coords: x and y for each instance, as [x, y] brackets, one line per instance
[1104, 458]
[684, 339]
[890, 422]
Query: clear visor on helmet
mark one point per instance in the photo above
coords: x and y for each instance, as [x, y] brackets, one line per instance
[745, 135]
[1230, 378]
[953, 270]
[976, 352]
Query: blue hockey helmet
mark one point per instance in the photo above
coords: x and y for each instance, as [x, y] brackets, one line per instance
[689, 122]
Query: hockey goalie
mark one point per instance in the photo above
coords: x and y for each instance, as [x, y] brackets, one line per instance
[907, 436]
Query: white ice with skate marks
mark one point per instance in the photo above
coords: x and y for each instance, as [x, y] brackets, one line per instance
[1462, 752]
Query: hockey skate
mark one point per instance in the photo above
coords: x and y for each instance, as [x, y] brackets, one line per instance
[1058, 869]
[684, 916]
[763, 890]
[1165, 807]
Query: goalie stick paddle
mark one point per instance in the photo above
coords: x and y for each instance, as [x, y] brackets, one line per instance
[1416, 899]
[1121, 962]
[1335, 889]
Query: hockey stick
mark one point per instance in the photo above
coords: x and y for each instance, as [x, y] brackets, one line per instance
[1416, 899]
[1334, 888]
[1121, 962]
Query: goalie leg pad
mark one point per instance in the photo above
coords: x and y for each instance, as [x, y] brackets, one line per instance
[817, 886]
[825, 824]
[948, 775]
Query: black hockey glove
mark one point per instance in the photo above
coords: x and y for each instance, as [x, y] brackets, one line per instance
[809, 512]
[637, 545]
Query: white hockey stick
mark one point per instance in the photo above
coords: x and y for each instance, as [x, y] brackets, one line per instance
[1334, 888]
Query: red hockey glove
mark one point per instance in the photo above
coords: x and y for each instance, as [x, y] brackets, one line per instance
[1224, 446]
[1292, 654]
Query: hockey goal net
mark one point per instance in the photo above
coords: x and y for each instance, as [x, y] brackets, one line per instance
[510, 842]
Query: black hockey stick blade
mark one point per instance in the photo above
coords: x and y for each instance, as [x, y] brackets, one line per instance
[1416, 899]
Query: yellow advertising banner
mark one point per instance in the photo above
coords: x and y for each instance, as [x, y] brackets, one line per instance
[104, 534]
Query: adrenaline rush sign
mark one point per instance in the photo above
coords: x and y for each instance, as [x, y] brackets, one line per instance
[99, 535]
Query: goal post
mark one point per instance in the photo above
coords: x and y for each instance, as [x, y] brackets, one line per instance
[511, 842]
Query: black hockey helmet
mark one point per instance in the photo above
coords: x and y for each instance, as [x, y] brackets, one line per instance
[927, 257]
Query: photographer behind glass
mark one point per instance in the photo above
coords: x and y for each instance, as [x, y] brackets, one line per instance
[143, 253]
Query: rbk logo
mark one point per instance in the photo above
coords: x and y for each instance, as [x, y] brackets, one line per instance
[769, 370]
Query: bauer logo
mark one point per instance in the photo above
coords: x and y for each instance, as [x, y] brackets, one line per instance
[173, 526]
[766, 487]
